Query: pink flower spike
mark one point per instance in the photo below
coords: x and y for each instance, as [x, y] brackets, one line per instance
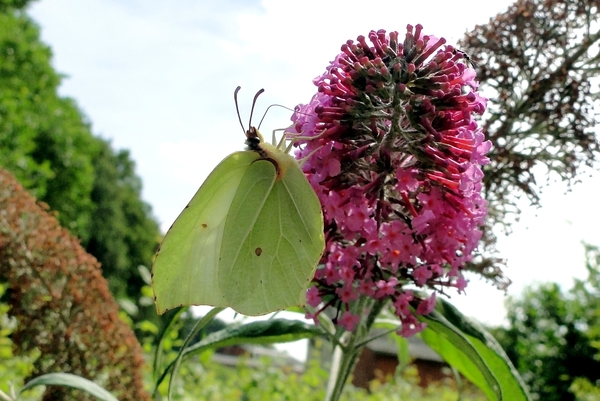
[347, 293]
[407, 180]
[366, 288]
[392, 148]
[349, 321]
[426, 306]
[386, 287]
[312, 297]
[411, 326]
[422, 274]
[461, 283]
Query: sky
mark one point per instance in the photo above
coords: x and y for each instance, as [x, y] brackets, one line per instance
[157, 78]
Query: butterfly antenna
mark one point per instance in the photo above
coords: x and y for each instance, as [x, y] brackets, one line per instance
[254, 104]
[267, 110]
[237, 107]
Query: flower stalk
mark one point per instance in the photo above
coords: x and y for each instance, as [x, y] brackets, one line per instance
[345, 355]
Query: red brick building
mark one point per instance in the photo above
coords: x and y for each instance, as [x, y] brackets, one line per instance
[380, 359]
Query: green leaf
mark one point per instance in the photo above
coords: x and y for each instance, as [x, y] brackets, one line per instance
[200, 324]
[69, 380]
[170, 326]
[145, 274]
[262, 332]
[466, 346]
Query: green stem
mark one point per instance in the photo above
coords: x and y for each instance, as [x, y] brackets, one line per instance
[5, 396]
[336, 368]
[344, 360]
[345, 356]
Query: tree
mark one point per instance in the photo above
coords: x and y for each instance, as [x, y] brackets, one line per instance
[553, 337]
[536, 62]
[123, 236]
[47, 143]
[12, 4]
[42, 137]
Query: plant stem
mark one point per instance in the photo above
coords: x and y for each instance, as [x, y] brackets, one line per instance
[345, 356]
[346, 360]
[5, 396]
[334, 372]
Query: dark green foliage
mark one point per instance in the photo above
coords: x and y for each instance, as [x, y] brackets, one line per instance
[554, 336]
[28, 101]
[59, 145]
[7, 5]
[43, 139]
[123, 235]
[46, 142]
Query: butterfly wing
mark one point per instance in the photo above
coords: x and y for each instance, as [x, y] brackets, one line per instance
[272, 240]
[185, 268]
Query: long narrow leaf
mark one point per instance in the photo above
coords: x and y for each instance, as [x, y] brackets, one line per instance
[469, 348]
[261, 332]
[200, 324]
[158, 351]
[69, 380]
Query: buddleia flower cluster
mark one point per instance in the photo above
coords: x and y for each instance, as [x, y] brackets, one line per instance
[391, 148]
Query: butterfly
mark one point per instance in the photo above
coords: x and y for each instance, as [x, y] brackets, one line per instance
[250, 238]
